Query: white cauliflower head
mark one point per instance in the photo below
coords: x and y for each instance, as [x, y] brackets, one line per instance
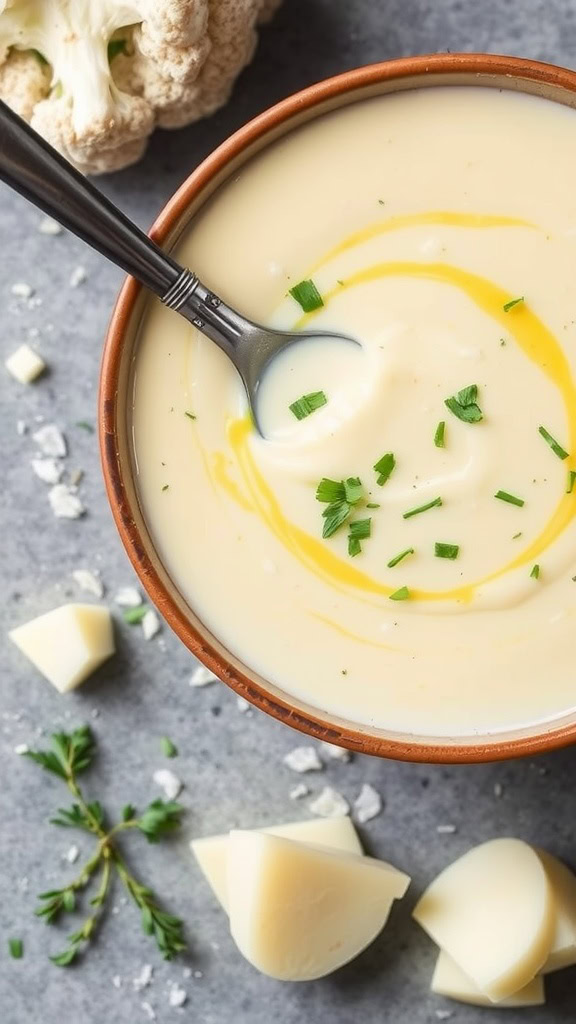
[95, 78]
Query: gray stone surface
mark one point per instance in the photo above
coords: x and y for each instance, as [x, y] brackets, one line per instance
[230, 761]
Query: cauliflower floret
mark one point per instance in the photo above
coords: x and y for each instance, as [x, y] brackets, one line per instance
[117, 68]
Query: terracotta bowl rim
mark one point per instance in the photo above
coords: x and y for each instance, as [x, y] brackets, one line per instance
[417, 749]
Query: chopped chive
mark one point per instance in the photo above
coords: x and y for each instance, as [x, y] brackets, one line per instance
[16, 947]
[166, 486]
[361, 528]
[510, 498]
[400, 595]
[422, 508]
[169, 749]
[439, 435]
[556, 448]
[374, 504]
[513, 302]
[384, 468]
[354, 546]
[570, 481]
[330, 490]
[353, 490]
[307, 295]
[302, 407]
[464, 405]
[446, 550]
[190, 415]
[535, 574]
[85, 425]
[135, 615]
[516, 535]
[398, 558]
[335, 515]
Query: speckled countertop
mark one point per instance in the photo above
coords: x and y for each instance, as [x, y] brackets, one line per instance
[230, 760]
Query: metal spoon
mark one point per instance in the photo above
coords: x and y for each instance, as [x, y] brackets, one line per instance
[35, 169]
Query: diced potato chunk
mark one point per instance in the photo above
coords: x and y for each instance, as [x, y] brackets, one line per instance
[563, 882]
[450, 981]
[67, 644]
[299, 912]
[25, 364]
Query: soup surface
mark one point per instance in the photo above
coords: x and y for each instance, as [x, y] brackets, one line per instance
[439, 228]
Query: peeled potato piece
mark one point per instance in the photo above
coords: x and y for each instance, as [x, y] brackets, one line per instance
[299, 912]
[563, 882]
[67, 644]
[212, 852]
[448, 980]
[493, 912]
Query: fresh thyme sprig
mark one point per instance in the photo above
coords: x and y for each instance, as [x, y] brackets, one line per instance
[71, 754]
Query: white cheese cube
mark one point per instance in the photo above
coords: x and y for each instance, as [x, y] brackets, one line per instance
[212, 852]
[450, 981]
[299, 912]
[67, 644]
[493, 912]
[25, 364]
[563, 882]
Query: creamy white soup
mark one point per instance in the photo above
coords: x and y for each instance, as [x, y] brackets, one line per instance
[400, 549]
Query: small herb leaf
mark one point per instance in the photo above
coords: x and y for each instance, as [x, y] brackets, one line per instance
[302, 407]
[307, 295]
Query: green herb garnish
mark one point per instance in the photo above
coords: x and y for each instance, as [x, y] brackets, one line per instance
[340, 497]
[307, 296]
[510, 498]
[446, 550]
[384, 468]
[464, 405]
[535, 574]
[372, 504]
[85, 425]
[169, 749]
[302, 407]
[353, 490]
[330, 490]
[134, 615]
[69, 756]
[400, 595]
[166, 486]
[513, 302]
[516, 535]
[398, 558]
[359, 530]
[570, 481]
[335, 515]
[16, 948]
[422, 508]
[190, 415]
[439, 435]
[556, 448]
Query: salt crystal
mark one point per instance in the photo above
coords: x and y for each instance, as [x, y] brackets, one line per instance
[298, 791]
[151, 624]
[367, 804]
[78, 276]
[21, 427]
[72, 854]
[117, 981]
[446, 830]
[22, 748]
[242, 704]
[128, 597]
[335, 752]
[329, 804]
[202, 676]
[148, 1010]
[22, 290]
[143, 979]
[49, 470]
[177, 996]
[303, 759]
[51, 441]
[49, 226]
[65, 503]
[169, 782]
[498, 789]
[87, 581]
[186, 972]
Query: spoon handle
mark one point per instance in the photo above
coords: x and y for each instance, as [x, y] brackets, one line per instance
[31, 166]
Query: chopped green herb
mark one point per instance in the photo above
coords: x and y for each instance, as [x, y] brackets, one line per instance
[513, 302]
[384, 468]
[16, 947]
[446, 550]
[516, 535]
[361, 528]
[400, 595]
[166, 486]
[339, 496]
[330, 490]
[535, 574]
[556, 448]
[302, 407]
[502, 342]
[116, 46]
[307, 296]
[570, 481]
[84, 425]
[190, 415]
[439, 435]
[135, 615]
[335, 515]
[372, 504]
[464, 405]
[169, 749]
[381, 201]
[398, 558]
[510, 498]
[353, 490]
[422, 508]
[354, 545]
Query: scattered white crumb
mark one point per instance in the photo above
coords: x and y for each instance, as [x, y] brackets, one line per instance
[115, 910]
[49, 470]
[33, 332]
[76, 476]
[143, 979]
[21, 428]
[51, 441]
[49, 226]
[446, 830]
[334, 752]
[444, 1014]
[303, 759]
[23, 884]
[65, 503]
[117, 981]
[95, 713]
[187, 972]
[329, 804]
[151, 624]
[25, 365]
[21, 748]
[199, 974]
[88, 581]
[77, 277]
[367, 804]
[298, 791]
[242, 704]
[148, 1010]
[167, 781]
[202, 676]
[22, 290]
[177, 996]
[127, 597]
[498, 789]
[72, 854]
